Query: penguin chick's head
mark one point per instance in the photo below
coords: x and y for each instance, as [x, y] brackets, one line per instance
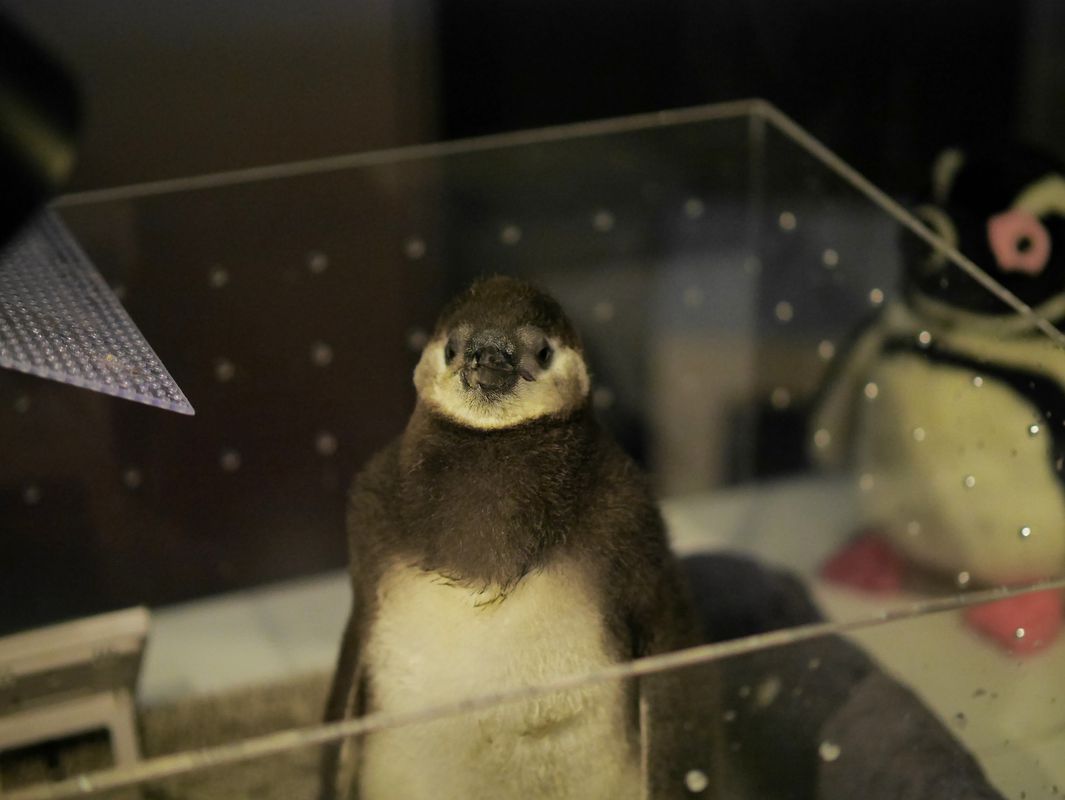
[503, 353]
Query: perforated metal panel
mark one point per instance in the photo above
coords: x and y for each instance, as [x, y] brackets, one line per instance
[59, 320]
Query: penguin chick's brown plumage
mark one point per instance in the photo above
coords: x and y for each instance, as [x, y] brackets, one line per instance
[505, 541]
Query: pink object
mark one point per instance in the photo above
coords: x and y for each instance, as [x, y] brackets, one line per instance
[868, 563]
[1019, 242]
[1022, 625]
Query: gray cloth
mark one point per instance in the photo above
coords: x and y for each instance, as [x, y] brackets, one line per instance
[818, 720]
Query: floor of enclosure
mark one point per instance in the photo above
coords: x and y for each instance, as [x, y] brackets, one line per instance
[1006, 710]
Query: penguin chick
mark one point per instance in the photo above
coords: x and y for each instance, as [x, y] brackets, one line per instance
[962, 439]
[504, 541]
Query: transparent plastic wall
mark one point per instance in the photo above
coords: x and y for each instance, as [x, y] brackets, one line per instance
[738, 291]
[806, 712]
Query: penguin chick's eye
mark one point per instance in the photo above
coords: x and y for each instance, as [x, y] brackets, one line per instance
[543, 357]
[449, 352]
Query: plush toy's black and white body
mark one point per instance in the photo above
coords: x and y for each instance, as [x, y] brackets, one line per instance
[951, 405]
[504, 541]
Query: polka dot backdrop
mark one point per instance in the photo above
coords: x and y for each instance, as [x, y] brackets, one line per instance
[714, 269]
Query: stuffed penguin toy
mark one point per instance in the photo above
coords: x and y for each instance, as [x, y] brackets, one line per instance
[950, 406]
[504, 541]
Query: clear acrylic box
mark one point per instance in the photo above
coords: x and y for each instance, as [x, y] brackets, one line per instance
[717, 262]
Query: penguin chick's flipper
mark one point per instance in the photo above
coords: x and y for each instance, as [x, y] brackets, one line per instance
[343, 697]
[867, 562]
[1023, 624]
[679, 711]
[649, 605]
[369, 520]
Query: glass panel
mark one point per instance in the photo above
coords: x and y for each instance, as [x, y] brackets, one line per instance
[876, 708]
[738, 294]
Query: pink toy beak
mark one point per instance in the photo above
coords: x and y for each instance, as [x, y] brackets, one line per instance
[1019, 242]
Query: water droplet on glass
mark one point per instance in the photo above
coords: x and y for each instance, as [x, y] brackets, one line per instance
[813, 663]
[830, 258]
[978, 381]
[729, 715]
[1033, 430]
[969, 481]
[317, 262]
[602, 398]
[224, 370]
[963, 578]
[871, 391]
[603, 311]
[414, 248]
[876, 296]
[825, 350]
[696, 781]
[913, 528]
[780, 398]
[783, 311]
[510, 234]
[133, 478]
[787, 221]
[866, 482]
[744, 691]
[924, 338]
[1025, 532]
[321, 354]
[325, 443]
[229, 460]
[22, 404]
[1019, 633]
[960, 719]
[822, 438]
[694, 208]
[602, 220]
[918, 434]
[32, 494]
[218, 277]
[693, 297]
[767, 692]
[829, 751]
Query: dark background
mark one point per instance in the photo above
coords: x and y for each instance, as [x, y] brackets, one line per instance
[180, 89]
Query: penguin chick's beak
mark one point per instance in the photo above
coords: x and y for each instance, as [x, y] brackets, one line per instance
[494, 368]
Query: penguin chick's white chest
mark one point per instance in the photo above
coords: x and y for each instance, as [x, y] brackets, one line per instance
[434, 642]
